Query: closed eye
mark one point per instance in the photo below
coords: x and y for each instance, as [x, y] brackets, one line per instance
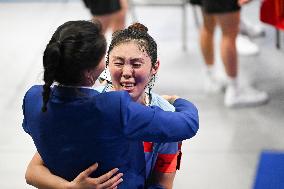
[118, 64]
[136, 65]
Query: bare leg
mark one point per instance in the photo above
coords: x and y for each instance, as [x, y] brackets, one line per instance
[105, 21]
[235, 96]
[207, 38]
[229, 23]
[119, 18]
[211, 83]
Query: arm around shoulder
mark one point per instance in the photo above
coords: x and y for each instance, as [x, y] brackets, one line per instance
[155, 125]
[189, 112]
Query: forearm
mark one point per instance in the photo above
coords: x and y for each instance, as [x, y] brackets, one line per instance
[39, 180]
[162, 180]
[40, 177]
[161, 126]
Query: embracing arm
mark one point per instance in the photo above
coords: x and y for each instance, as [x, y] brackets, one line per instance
[155, 125]
[162, 180]
[39, 176]
[167, 163]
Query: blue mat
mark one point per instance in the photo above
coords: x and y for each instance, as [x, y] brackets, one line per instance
[270, 173]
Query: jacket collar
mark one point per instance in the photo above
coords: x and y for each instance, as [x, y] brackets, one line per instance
[73, 92]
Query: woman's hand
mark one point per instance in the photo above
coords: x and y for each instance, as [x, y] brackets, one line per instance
[83, 181]
[242, 2]
[170, 98]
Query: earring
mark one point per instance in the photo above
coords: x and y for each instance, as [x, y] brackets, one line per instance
[105, 76]
[152, 81]
[150, 85]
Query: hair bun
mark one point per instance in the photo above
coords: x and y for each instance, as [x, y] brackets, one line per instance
[139, 27]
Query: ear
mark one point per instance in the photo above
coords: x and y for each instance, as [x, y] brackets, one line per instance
[156, 67]
[87, 73]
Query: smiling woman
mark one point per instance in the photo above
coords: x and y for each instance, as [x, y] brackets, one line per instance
[131, 69]
[132, 61]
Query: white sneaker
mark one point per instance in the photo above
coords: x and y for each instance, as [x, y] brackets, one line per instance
[244, 97]
[251, 30]
[245, 46]
[213, 85]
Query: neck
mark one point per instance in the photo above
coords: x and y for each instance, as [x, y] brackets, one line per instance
[144, 99]
[86, 83]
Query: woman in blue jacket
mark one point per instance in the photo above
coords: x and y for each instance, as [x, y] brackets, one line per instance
[73, 126]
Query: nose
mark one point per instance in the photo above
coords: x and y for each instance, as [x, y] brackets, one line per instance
[127, 71]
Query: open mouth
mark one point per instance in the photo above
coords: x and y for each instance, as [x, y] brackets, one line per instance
[127, 86]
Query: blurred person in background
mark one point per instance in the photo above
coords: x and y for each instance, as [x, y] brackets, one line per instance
[111, 13]
[226, 14]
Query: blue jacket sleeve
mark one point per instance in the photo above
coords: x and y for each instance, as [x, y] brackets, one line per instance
[155, 125]
[24, 125]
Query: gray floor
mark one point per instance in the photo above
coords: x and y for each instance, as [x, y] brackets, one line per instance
[223, 155]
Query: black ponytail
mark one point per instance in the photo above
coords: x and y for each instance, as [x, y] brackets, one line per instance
[51, 60]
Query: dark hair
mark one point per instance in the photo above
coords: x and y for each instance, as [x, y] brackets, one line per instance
[74, 47]
[135, 32]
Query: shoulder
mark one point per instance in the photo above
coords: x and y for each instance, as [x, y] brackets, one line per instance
[168, 148]
[159, 101]
[113, 104]
[115, 95]
[35, 90]
[112, 99]
[102, 88]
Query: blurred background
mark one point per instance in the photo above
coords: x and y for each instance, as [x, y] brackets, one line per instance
[226, 152]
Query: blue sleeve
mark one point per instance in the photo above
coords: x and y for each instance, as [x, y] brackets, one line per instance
[24, 124]
[168, 148]
[152, 124]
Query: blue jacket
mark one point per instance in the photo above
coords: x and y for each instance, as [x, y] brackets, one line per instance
[82, 126]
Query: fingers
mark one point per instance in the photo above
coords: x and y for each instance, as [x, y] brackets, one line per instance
[174, 97]
[170, 98]
[167, 97]
[107, 176]
[88, 171]
[114, 185]
[113, 182]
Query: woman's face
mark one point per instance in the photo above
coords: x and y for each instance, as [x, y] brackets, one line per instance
[131, 69]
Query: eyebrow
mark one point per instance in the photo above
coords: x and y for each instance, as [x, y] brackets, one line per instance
[137, 59]
[118, 57]
[131, 59]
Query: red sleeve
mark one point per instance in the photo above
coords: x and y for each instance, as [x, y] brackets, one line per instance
[166, 163]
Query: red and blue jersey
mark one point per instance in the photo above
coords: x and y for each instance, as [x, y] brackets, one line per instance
[162, 157]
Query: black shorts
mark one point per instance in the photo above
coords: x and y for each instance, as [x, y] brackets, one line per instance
[102, 7]
[217, 6]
